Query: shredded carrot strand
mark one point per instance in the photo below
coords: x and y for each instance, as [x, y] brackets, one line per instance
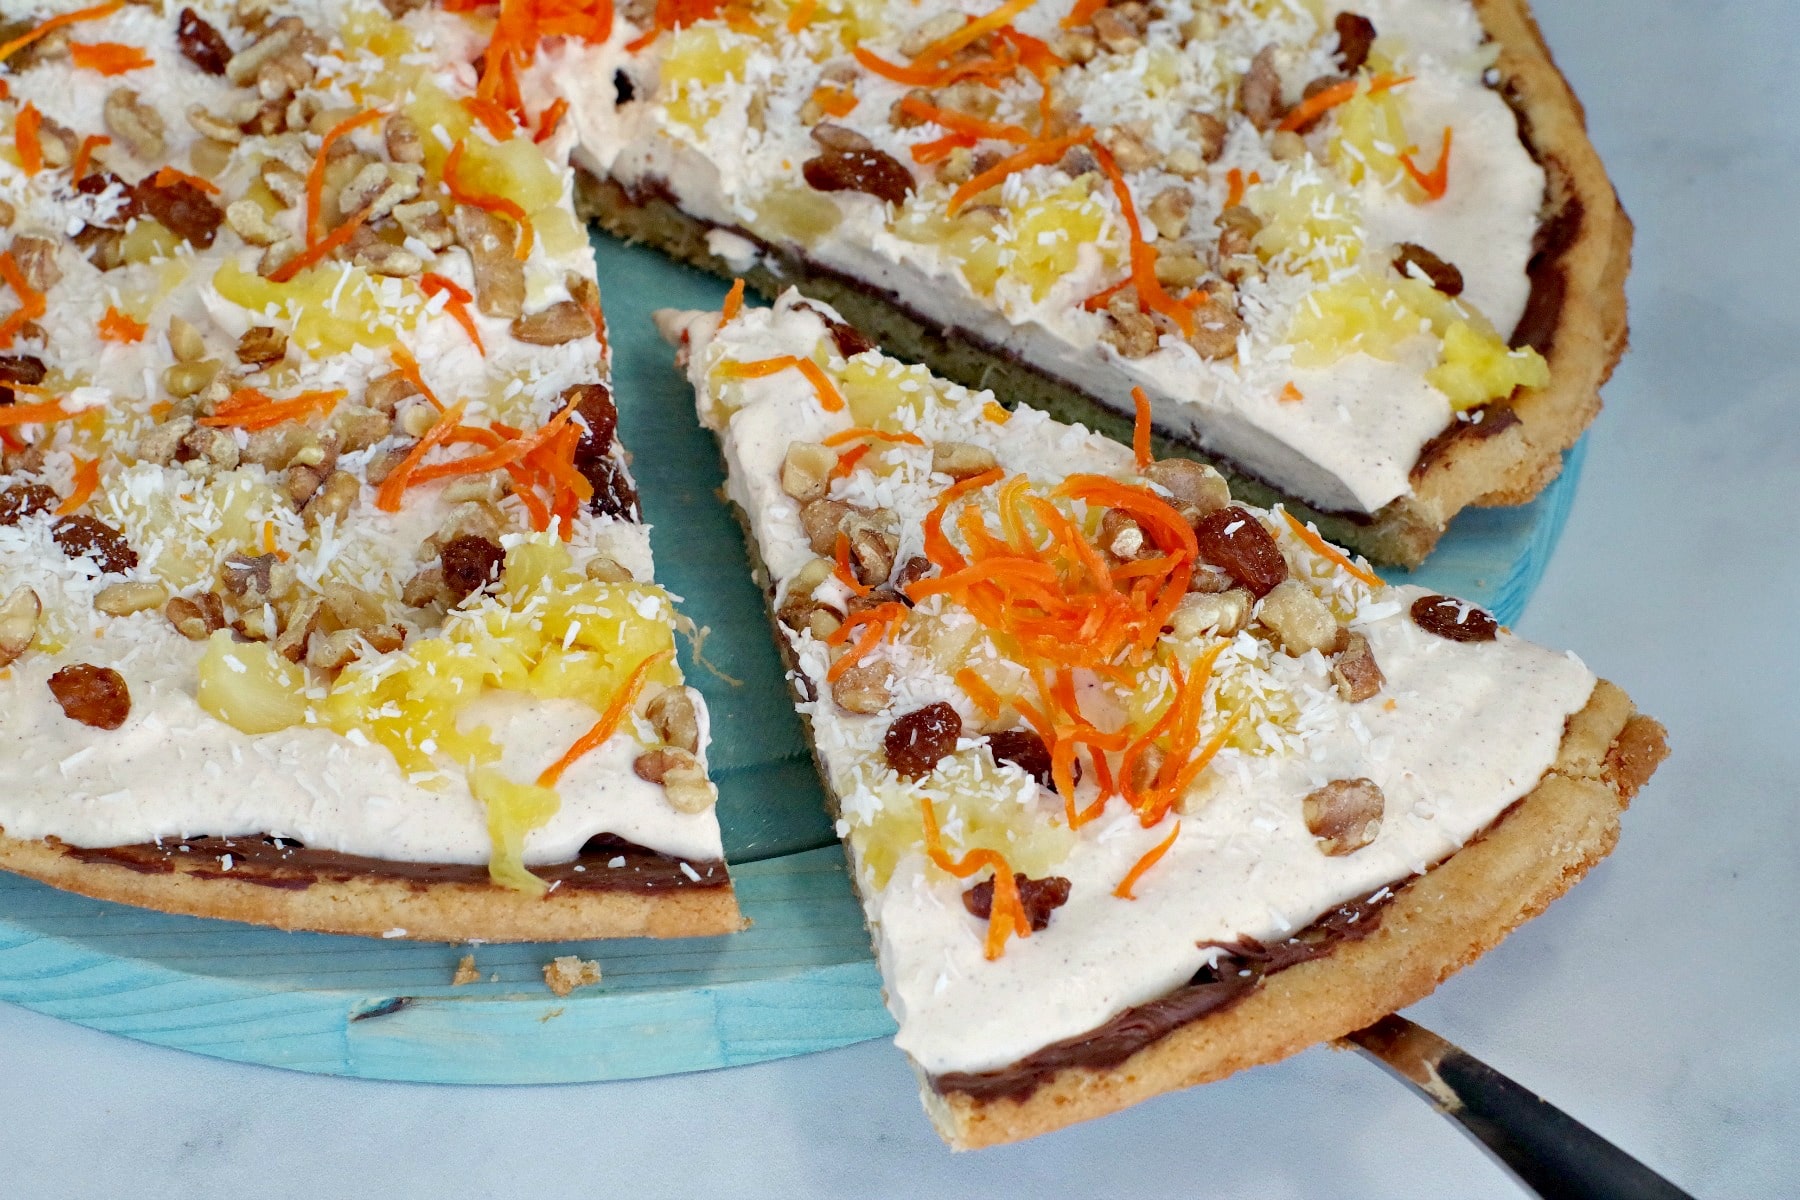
[1436, 181]
[551, 120]
[1326, 550]
[46, 413]
[1031, 156]
[1236, 185]
[888, 615]
[842, 571]
[320, 250]
[963, 123]
[84, 157]
[431, 283]
[1083, 13]
[1143, 255]
[492, 115]
[847, 461]
[881, 435]
[1123, 891]
[996, 412]
[248, 408]
[1322, 102]
[115, 326]
[1097, 301]
[734, 302]
[829, 398]
[834, 101]
[608, 723]
[109, 58]
[58, 22]
[1290, 394]
[315, 175]
[169, 175]
[937, 547]
[983, 696]
[393, 488]
[408, 366]
[977, 28]
[31, 301]
[87, 479]
[499, 204]
[1140, 428]
[1008, 914]
[871, 637]
[25, 138]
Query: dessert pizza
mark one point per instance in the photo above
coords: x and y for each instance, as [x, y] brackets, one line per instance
[1363, 258]
[324, 600]
[1140, 785]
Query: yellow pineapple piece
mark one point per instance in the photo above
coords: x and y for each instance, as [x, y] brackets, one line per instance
[148, 240]
[197, 523]
[249, 686]
[1478, 366]
[331, 308]
[795, 213]
[697, 59]
[1307, 224]
[883, 394]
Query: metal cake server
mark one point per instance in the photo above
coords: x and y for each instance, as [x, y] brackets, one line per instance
[1546, 1149]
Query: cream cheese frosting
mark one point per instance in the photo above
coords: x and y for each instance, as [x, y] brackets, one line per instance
[718, 119]
[174, 768]
[1458, 732]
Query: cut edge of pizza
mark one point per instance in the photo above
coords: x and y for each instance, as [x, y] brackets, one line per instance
[1006, 202]
[325, 602]
[1139, 786]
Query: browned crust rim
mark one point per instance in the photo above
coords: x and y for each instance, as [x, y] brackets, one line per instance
[375, 905]
[1506, 463]
[1438, 923]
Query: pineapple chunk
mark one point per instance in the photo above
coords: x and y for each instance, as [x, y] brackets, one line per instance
[1035, 239]
[148, 240]
[1308, 224]
[331, 308]
[1369, 139]
[1478, 366]
[794, 213]
[514, 810]
[249, 686]
[882, 394]
[697, 60]
[197, 523]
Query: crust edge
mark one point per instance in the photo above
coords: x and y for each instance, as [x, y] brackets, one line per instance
[373, 907]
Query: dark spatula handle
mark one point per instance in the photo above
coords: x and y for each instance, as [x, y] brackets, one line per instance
[1552, 1153]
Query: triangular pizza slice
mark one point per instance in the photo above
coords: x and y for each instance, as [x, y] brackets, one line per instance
[1140, 785]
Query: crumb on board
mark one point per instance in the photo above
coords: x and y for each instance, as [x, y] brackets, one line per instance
[465, 972]
[566, 973]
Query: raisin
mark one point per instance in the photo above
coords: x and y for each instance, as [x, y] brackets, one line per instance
[614, 493]
[1233, 539]
[594, 405]
[182, 209]
[911, 571]
[871, 171]
[916, 741]
[201, 43]
[27, 369]
[1451, 618]
[23, 500]
[624, 90]
[470, 564]
[93, 695]
[98, 183]
[1025, 750]
[90, 537]
[848, 338]
[1442, 275]
[1355, 33]
[1039, 898]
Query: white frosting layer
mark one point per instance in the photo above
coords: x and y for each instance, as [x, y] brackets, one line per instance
[1352, 439]
[172, 770]
[1459, 733]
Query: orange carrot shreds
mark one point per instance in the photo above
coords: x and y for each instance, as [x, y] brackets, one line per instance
[431, 283]
[830, 399]
[1236, 184]
[1097, 301]
[1320, 103]
[492, 115]
[847, 461]
[608, 723]
[926, 77]
[759, 368]
[8, 49]
[408, 366]
[938, 149]
[109, 58]
[248, 408]
[84, 157]
[49, 412]
[1082, 13]
[963, 123]
[870, 638]
[31, 301]
[551, 120]
[1328, 551]
[671, 15]
[1436, 181]
[973, 31]
[1143, 255]
[996, 412]
[801, 15]
[842, 572]
[734, 302]
[1031, 156]
[1290, 394]
[320, 250]
[937, 547]
[844, 436]
[1008, 918]
[169, 175]
[87, 480]
[1140, 428]
[834, 101]
[115, 326]
[461, 193]
[315, 175]
[393, 488]
[887, 615]
[979, 693]
[1158, 518]
[25, 138]
[1123, 891]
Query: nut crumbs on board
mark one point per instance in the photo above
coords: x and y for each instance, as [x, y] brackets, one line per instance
[566, 972]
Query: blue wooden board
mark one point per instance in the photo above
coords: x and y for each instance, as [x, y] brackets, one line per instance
[800, 980]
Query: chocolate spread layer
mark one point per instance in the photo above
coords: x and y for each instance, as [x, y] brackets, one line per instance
[1242, 966]
[285, 863]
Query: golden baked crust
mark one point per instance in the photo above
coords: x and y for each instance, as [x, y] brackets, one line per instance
[377, 906]
[1587, 260]
[1436, 924]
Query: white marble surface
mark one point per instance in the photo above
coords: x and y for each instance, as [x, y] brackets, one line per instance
[1658, 1002]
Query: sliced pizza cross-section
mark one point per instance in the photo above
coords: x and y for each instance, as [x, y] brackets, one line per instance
[1140, 785]
[324, 598]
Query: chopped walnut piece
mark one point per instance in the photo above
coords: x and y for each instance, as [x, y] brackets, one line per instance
[261, 345]
[36, 260]
[684, 783]
[1220, 614]
[334, 499]
[248, 221]
[565, 973]
[404, 145]
[806, 471]
[286, 183]
[1076, 46]
[499, 275]
[18, 623]
[1298, 618]
[1168, 211]
[823, 520]
[1238, 227]
[561, 322]
[863, 688]
[183, 209]
[1130, 330]
[1116, 33]
[1259, 96]
[1209, 132]
[1354, 670]
[1128, 148]
[379, 188]
[257, 579]
[1345, 815]
[196, 618]
[123, 599]
[297, 627]
[673, 715]
[136, 125]
[426, 222]
[94, 696]
[1217, 327]
[1180, 265]
[961, 460]
[1123, 538]
[1195, 489]
[801, 613]
[1039, 898]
